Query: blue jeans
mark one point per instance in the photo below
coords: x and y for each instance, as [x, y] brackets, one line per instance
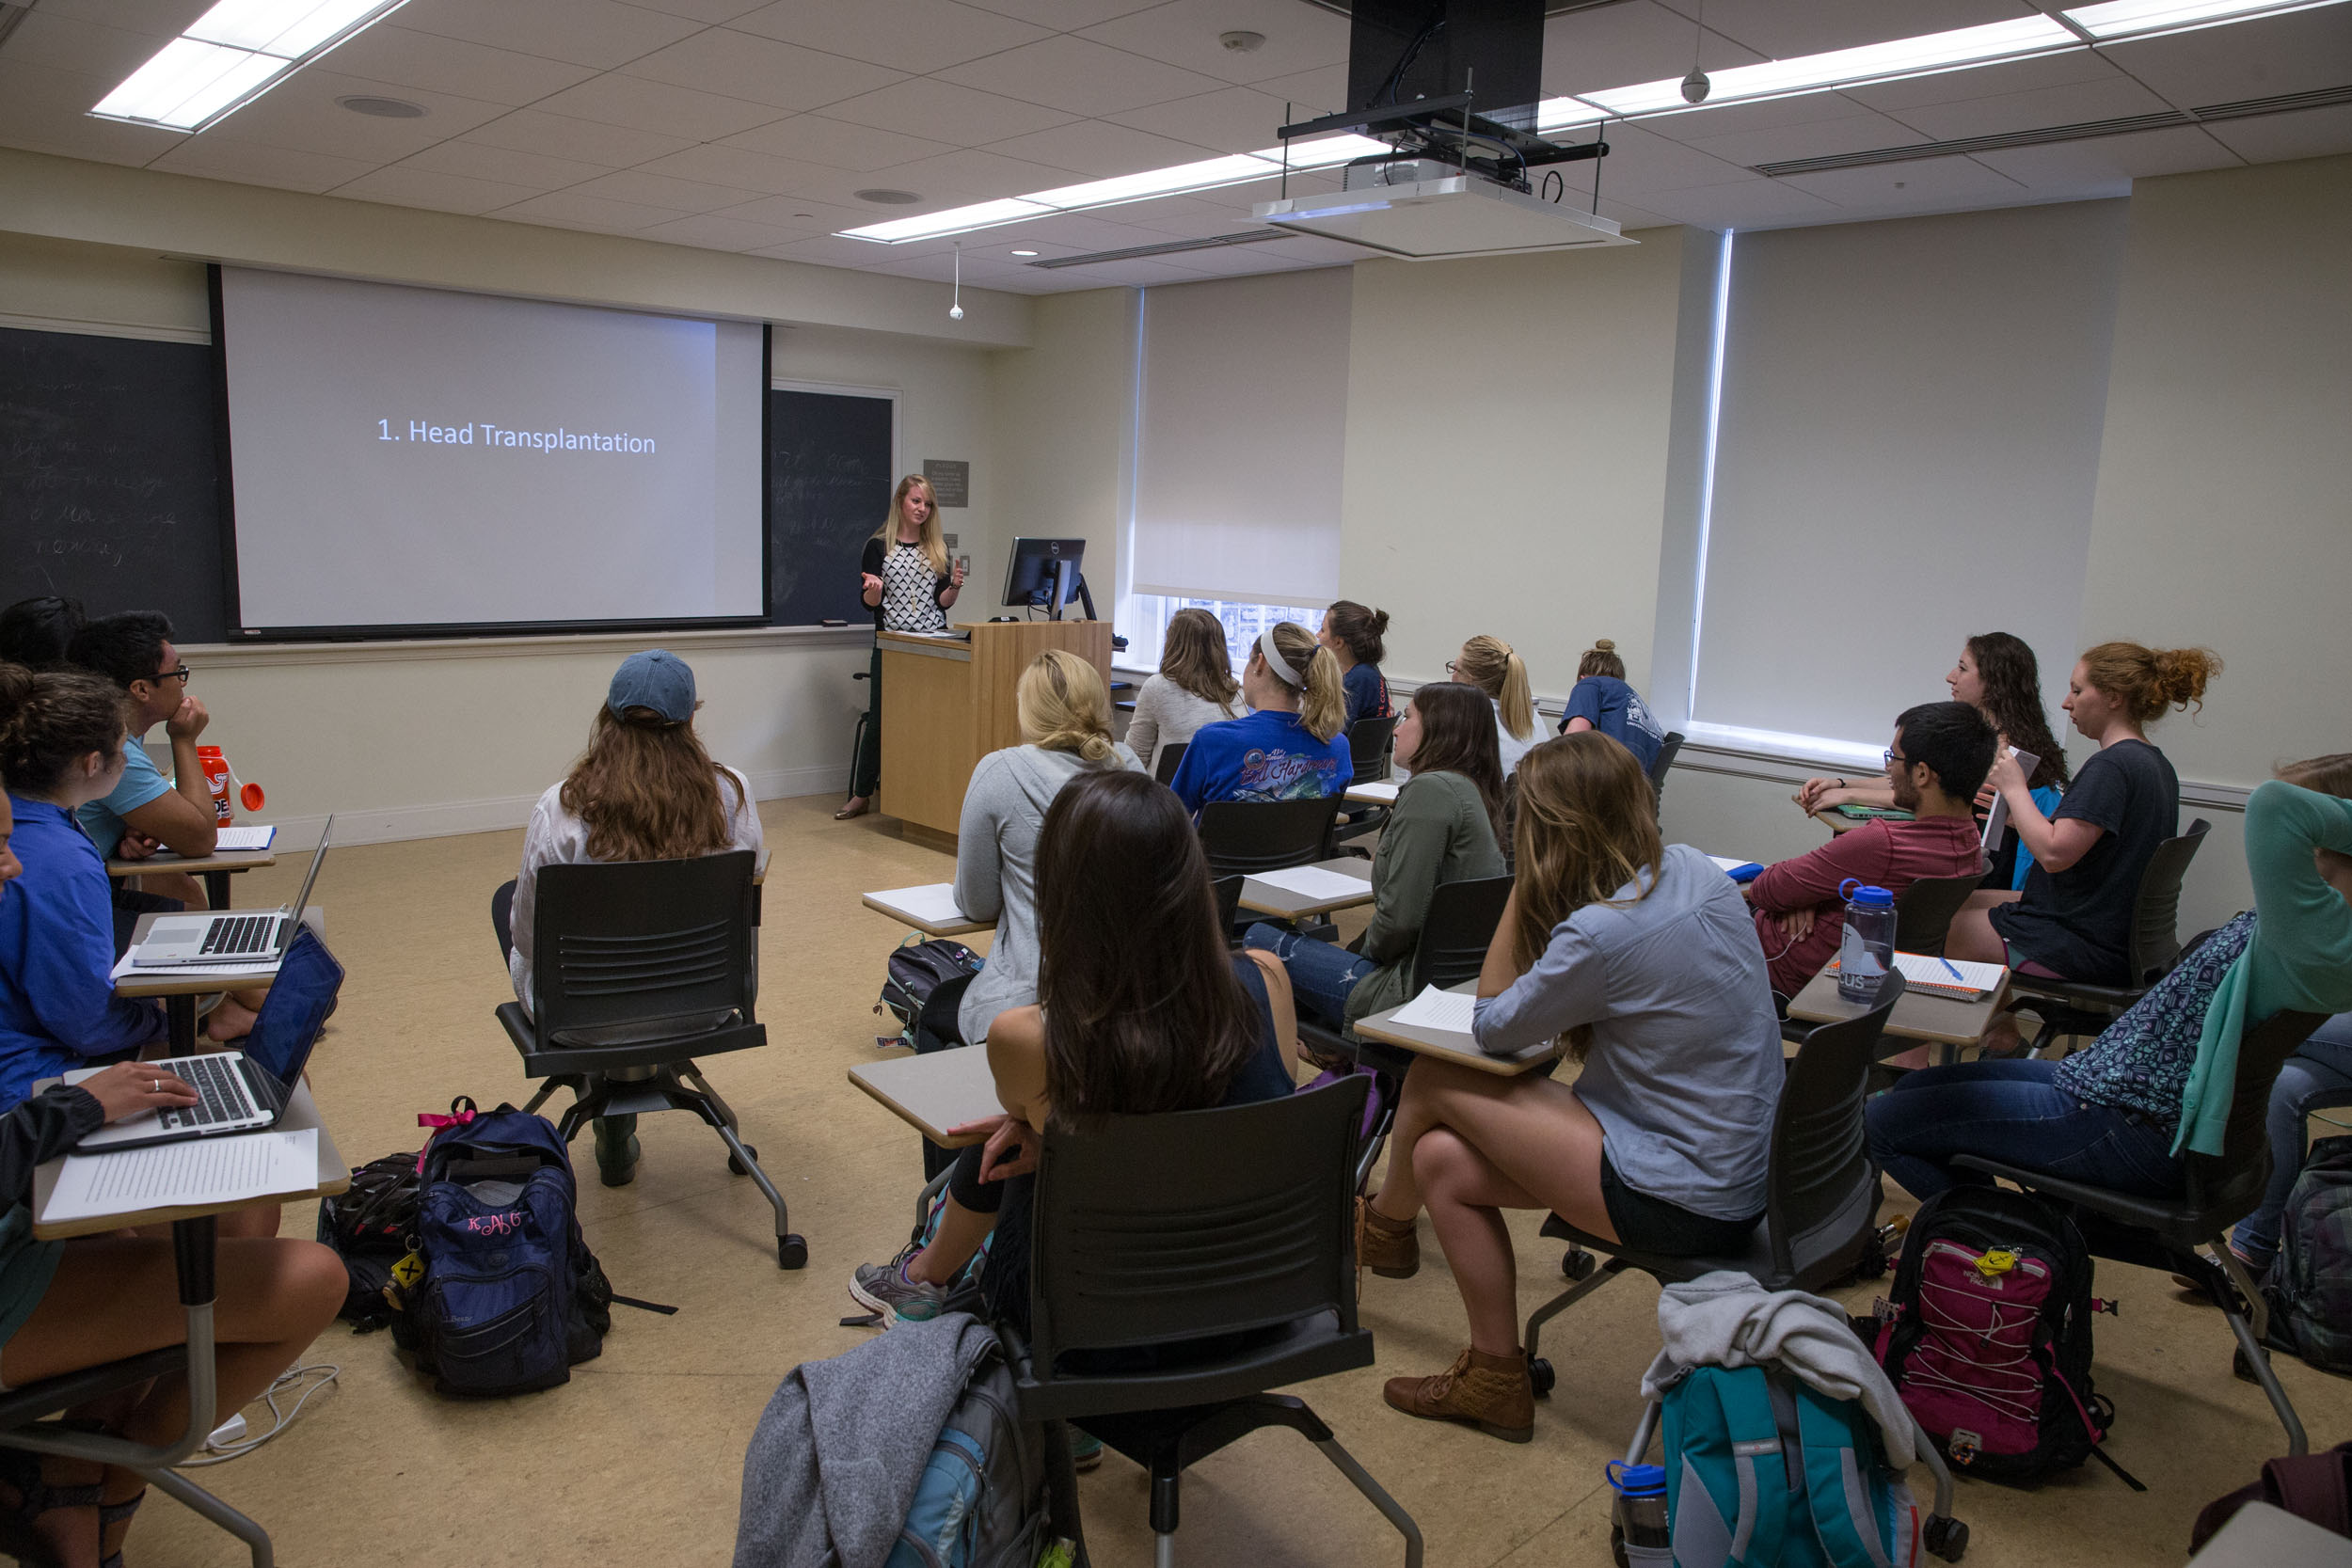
[2318, 1076]
[2015, 1113]
[1322, 972]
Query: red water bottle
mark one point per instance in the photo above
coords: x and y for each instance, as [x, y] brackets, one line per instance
[216, 780]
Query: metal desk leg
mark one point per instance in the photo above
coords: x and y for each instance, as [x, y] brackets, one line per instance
[179, 1015]
[216, 889]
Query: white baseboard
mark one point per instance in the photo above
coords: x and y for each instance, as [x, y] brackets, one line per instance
[449, 818]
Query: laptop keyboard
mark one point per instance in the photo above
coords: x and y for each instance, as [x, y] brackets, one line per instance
[220, 1089]
[234, 935]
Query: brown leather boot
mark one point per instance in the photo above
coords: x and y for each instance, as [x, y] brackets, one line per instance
[1490, 1392]
[1390, 1248]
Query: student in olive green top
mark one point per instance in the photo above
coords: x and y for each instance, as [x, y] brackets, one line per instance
[1446, 828]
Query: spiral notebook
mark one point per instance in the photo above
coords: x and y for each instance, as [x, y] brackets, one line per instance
[1953, 977]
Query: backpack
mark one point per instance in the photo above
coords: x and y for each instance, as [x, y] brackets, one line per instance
[371, 1226]
[2312, 1486]
[1987, 1334]
[924, 985]
[981, 1500]
[2309, 1286]
[509, 1297]
[1762, 1469]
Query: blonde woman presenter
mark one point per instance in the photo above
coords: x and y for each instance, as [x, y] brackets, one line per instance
[909, 585]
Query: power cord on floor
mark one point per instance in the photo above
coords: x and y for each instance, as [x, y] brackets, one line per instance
[282, 1418]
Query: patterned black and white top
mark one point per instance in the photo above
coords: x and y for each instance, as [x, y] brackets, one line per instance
[909, 588]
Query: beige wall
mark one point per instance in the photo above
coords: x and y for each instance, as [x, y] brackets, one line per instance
[1507, 432]
[1064, 411]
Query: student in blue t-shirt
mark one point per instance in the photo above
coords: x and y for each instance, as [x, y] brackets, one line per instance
[145, 811]
[1293, 747]
[1603, 701]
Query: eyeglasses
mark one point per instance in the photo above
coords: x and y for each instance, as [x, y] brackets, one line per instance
[1450, 667]
[1893, 756]
[180, 674]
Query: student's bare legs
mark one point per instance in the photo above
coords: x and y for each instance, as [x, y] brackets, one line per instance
[1973, 939]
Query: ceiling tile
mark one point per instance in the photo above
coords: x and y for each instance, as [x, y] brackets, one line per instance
[753, 173]
[588, 211]
[942, 111]
[2273, 139]
[1065, 16]
[1237, 119]
[814, 138]
[1858, 132]
[301, 112]
[2295, 52]
[1693, 126]
[251, 164]
[1081, 77]
[1948, 86]
[47, 110]
[662, 190]
[953, 179]
[714, 232]
[702, 10]
[563, 136]
[1780, 30]
[1617, 46]
[743, 65]
[614, 99]
[907, 35]
[600, 33]
[1641, 160]
[1139, 275]
[1932, 183]
[1753, 203]
[473, 159]
[62, 43]
[1322, 91]
[827, 250]
[1099, 147]
[1189, 217]
[942, 269]
[407, 185]
[2108, 165]
[2077, 105]
[807, 215]
[163, 17]
[1185, 33]
[414, 59]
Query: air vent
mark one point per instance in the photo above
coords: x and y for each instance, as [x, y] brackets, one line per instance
[2251, 108]
[383, 108]
[1170, 247]
[883, 198]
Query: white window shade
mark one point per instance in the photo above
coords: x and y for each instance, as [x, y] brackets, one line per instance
[1907, 453]
[1242, 429]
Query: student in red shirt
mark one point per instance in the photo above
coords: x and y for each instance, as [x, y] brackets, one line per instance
[1941, 754]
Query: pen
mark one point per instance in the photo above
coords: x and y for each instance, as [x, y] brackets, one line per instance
[1950, 970]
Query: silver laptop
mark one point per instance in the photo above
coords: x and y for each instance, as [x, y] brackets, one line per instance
[229, 936]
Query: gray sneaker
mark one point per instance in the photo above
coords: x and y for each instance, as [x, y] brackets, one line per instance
[885, 1288]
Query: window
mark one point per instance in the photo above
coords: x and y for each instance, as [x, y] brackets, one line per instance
[1144, 620]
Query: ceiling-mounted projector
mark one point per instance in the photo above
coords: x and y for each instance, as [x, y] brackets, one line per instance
[1442, 213]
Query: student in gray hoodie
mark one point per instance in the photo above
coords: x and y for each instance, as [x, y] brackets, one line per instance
[1065, 715]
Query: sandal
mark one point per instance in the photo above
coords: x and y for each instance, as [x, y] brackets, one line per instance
[36, 1496]
[111, 1515]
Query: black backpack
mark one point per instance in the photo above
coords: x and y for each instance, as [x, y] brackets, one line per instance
[2309, 1286]
[1986, 1335]
[371, 1226]
[922, 989]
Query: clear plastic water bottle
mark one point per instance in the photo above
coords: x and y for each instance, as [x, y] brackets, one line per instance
[1641, 1513]
[1866, 951]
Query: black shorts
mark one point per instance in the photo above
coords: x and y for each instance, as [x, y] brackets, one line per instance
[1649, 1224]
[965, 1186]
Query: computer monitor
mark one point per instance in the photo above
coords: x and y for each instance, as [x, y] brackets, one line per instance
[1043, 572]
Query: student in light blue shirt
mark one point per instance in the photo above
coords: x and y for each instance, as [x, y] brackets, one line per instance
[60, 746]
[145, 811]
[1293, 747]
[1603, 701]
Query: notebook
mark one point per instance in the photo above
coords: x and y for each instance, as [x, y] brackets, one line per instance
[1953, 977]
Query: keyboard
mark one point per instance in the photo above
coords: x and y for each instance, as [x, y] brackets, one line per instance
[234, 935]
[220, 1087]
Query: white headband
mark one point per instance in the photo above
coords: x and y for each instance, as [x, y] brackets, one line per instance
[1276, 662]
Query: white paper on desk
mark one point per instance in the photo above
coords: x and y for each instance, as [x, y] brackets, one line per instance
[1314, 882]
[1437, 1009]
[259, 836]
[170, 1175]
[1380, 789]
[934, 902]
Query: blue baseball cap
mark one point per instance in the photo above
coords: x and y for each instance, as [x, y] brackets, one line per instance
[656, 679]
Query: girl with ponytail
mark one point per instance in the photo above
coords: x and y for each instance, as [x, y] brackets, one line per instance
[1601, 700]
[1489, 664]
[1292, 747]
[2074, 918]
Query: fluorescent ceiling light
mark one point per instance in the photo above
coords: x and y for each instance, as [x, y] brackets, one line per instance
[1931, 52]
[2132, 17]
[1209, 174]
[1324, 152]
[231, 55]
[955, 220]
[1559, 113]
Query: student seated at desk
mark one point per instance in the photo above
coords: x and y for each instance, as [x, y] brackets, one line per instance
[1292, 747]
[1489, 664]
[645, 790]
[1065, 714]
[1140, 1010]
[60, 746]
[1354, 636]
[35, 632]
[1601, 700]
[1642, 955]
[2075, 919]
[1938, 760]
[1447, 827]
[2158, 1083]
[145, 811]
[1195, 686]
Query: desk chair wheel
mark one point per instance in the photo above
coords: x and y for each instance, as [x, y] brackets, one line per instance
[1577, 1263]
[1540, 1374]
[791, 1251]
[736, 1167]
[1946, 1538]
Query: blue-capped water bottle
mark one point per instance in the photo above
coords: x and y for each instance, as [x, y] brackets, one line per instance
[1640, 1508]
[1866, 951]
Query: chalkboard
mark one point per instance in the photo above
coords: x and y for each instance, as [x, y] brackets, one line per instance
[109, 476]
[830, 473]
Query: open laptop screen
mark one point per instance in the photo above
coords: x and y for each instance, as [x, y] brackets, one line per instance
[300, 997]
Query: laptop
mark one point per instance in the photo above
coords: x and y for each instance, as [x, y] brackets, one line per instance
[246, 1090]
[229, 936]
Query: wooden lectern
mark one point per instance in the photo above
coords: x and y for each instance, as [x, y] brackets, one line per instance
[948, 703]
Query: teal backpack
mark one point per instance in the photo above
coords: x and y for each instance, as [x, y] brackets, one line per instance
[1762, 1470]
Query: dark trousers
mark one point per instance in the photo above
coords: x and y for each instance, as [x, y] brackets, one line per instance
[866, 767]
